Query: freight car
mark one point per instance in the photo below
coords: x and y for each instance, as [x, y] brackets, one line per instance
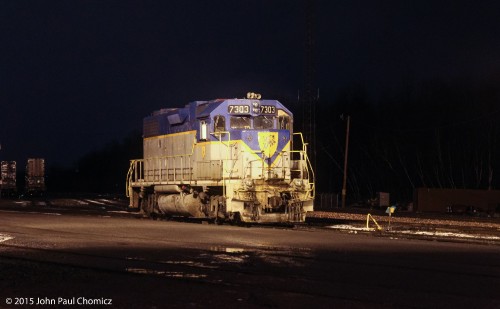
[224, 159]
[8, 185]
[35, 176]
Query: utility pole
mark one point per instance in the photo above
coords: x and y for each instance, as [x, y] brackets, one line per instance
[309, 98]
[344, 185]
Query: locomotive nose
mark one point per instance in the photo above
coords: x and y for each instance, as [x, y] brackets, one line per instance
[266, 144]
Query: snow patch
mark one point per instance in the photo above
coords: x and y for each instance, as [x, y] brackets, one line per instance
[22, 203]
[5, 237]
[450, 234]
[95, 202]
[350, 228]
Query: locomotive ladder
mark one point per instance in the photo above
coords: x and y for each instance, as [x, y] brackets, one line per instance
[305, 165]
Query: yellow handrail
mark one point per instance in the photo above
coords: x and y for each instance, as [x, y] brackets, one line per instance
[219, 136]
[310, 170]
[130, 175]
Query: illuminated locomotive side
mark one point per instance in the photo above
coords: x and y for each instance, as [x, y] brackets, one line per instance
[226, 159]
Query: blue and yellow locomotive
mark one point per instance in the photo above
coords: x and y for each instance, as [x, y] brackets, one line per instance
[225, 159]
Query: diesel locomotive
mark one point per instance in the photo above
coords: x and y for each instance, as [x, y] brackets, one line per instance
[224, 160]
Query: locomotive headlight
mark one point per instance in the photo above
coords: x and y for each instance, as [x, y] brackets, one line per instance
[298, 183]
[248, 184]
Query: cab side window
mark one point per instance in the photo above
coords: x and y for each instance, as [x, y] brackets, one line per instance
[284, 123]
[219, 123]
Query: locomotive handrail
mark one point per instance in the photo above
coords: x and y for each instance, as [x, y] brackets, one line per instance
[262, 160]
[133, 171]
[219, 133]
[181, 156]
[136, 171]
[313, 183]
[308, 164]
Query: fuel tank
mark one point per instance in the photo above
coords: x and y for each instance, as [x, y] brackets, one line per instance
[182, 204]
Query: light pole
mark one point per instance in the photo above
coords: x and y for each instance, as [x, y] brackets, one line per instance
[344, 185]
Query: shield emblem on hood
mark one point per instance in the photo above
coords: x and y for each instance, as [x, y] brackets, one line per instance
[268, 143]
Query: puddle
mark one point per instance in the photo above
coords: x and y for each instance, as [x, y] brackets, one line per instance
[189, 263]
[181, 263]
[227, 249]
[230, 258]
[227, 255]
[167, 274]
[283, 256]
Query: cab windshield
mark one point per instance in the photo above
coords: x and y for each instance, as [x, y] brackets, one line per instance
[263, 122]
[240, 122]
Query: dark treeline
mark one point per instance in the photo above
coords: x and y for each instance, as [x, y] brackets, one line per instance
[433, 134]
[101, 171]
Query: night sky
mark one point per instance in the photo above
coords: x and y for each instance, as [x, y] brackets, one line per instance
[76, 75]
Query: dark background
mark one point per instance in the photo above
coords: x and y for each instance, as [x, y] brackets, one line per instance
[420, 80]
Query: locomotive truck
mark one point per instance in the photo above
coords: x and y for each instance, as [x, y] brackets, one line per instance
[224, 160]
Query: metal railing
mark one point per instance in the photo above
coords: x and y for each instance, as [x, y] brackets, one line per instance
[179, 167]
[304, 159]
[265, 170]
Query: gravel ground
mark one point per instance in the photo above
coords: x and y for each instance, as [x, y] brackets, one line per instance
[404, 224]
[414, 219]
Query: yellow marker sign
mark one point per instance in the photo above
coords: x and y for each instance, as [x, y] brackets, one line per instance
[390, 210]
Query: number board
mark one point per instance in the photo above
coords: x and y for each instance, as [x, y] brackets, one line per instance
[238, 109]
[268, 109]
[245, 109]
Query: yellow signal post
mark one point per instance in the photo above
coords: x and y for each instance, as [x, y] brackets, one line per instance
[390, 210]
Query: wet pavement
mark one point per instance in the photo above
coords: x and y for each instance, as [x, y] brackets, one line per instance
[56, 254]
